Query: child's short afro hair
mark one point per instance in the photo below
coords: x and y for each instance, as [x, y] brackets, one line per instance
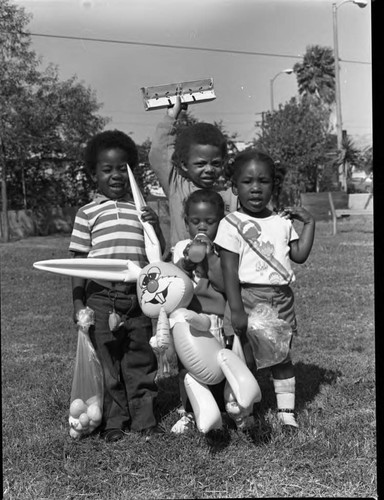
[205, 196]
[244, 157]
[108, 140]
[198, 133]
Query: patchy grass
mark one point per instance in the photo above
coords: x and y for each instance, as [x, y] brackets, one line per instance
[332, 455]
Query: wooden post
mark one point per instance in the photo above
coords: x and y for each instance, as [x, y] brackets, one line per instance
[5, 233]
[334, 218]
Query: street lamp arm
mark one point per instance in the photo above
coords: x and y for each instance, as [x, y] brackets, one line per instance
[288, 71]
[359, 3]
[274, 78]
[337, 5]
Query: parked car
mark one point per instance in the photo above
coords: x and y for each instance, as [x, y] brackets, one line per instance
[360, 182]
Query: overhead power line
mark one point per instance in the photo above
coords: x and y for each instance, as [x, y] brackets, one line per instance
[181, 47]
[163, 45]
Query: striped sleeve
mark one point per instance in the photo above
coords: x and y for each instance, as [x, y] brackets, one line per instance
[81, 233]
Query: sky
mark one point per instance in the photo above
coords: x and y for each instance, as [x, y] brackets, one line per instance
[257, 39]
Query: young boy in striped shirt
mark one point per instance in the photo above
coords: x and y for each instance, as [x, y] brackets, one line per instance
[109, 227]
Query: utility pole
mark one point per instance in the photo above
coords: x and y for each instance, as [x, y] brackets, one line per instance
[339, 121]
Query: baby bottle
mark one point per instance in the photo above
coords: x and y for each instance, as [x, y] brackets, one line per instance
[198, 249]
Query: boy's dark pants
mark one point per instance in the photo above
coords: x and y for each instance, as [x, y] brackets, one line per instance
[128, 361]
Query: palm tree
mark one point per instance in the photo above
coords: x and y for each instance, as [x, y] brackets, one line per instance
[316, 82]
[316, 74]
[348, 156]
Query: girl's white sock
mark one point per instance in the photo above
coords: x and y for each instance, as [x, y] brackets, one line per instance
[285, 397]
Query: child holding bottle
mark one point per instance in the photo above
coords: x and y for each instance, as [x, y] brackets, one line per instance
[197, 256]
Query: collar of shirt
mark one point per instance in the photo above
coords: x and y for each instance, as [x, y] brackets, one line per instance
[100, 198]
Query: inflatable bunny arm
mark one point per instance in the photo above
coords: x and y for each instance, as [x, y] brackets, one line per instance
[199, 321]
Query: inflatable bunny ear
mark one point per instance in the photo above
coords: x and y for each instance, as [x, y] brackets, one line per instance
[152, 245]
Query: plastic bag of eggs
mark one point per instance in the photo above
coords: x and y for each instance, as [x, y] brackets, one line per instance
[84, 417]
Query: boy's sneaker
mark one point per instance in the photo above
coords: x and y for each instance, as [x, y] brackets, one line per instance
[287, 418]
[112, 435]
[186, 423]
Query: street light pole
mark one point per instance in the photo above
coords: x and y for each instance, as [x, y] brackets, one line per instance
[339, 120]
[339, 125]
[288, 72]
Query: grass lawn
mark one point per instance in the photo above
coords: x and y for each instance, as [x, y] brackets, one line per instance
[332, 455]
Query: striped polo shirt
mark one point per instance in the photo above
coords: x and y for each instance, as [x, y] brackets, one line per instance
[106, 228]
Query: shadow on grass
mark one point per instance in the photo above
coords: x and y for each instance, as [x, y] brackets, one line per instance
[168, 397]
[309, 379]
[217, 440]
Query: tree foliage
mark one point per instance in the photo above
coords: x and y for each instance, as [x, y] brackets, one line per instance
[44, 122]
[366, 159]
[298, 139]
[14, 47]
[349, 155]
[316, 74]
[145, 176]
